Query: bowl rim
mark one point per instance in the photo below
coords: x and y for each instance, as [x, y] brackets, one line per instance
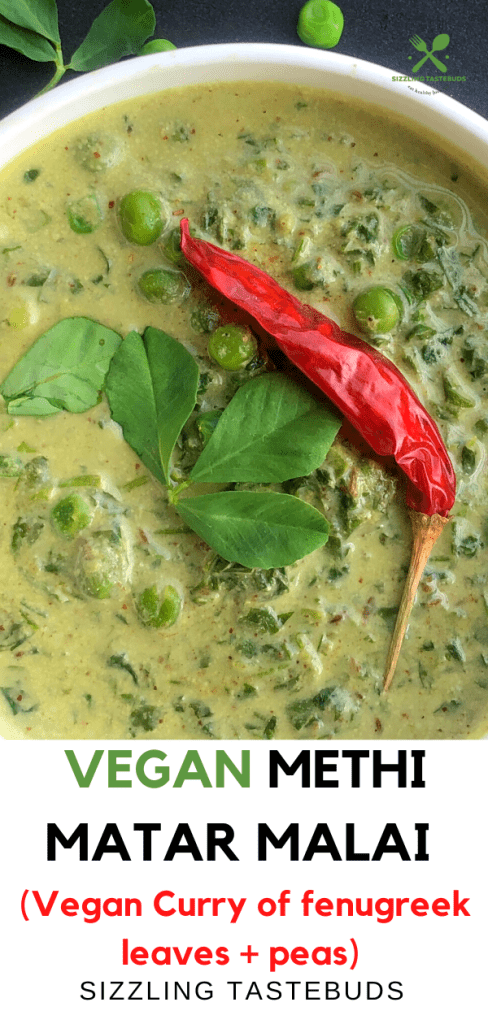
[441, 114]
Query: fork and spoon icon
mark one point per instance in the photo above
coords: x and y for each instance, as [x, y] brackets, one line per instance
[440, 42]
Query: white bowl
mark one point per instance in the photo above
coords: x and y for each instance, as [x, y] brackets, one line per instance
[454, 123]
[459, 130]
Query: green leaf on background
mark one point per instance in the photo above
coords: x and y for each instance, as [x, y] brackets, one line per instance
[258, 530]
[151, 388]
[272, 430]
[39, 16]
[64, 369]
[23, 41]
[156, 46]
[121, 29]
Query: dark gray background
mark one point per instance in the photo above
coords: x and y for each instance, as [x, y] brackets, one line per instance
[378, 31]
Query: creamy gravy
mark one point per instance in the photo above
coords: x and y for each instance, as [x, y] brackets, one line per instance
[294, 179]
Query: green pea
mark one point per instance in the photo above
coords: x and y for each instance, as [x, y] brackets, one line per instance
[377, 310]
[84, 215]
[407, 240]
[97, 584]
[156, 609]
[207, 422]
[171, 247]
[308, 276]
[204, 319]
[36, 473]
[96, 153]
[232, 346]
[27, 530]
[181, 133]
[71, 515]
[35, 482]
[156, 46]
[170, 287]
[320, 23]
[101, 563]
[10, 465]
[140, 217]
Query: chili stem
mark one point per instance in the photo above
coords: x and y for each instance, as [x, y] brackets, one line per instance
[425, 530]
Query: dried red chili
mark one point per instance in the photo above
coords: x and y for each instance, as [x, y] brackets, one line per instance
[365, 386]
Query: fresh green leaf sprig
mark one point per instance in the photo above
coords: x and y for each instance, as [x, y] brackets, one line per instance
[152, 388]
[31, 27]
[64, 369]
[271, 430]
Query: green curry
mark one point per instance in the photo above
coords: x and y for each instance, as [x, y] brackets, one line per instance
[116, 620]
